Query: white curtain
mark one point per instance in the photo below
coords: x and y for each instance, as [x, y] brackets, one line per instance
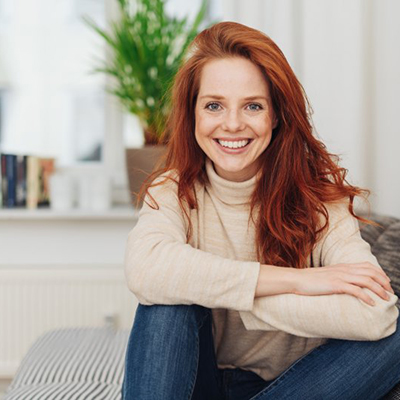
[346, 53]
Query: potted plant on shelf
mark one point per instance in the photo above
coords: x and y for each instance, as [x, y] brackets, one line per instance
[146, 47]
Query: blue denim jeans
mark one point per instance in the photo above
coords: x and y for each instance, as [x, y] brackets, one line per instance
[171, 356]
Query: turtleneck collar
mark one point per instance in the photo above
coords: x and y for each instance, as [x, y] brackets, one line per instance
[230, 192]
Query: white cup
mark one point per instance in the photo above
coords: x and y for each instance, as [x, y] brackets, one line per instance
[100, 197]
[94, 191]
[84, 189]
[62, 191]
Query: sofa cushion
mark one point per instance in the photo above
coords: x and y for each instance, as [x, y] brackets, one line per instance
[73, 364]
[385, 245]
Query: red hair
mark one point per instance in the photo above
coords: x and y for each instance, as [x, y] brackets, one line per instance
[298, 174]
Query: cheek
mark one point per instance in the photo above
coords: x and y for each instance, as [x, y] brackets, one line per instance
[204, 125]
[263, 127]
[199, 131]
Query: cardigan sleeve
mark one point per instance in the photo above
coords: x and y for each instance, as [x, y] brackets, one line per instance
[340, 316]
[161, 268]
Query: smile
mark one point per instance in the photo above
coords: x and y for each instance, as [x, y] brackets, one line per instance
[233, 144]
[233, 147]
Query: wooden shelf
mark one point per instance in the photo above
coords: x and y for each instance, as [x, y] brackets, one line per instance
[22, 214]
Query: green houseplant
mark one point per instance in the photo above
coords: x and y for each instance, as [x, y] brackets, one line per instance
[146, 48]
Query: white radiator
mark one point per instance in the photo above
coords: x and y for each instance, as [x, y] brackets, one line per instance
[36, 299]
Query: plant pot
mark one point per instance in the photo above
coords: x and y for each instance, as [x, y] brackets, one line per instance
[140, 162]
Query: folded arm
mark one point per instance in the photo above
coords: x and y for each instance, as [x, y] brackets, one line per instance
[161, 268]
[340, 316]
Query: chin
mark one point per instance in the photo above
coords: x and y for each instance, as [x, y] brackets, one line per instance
[232, 167]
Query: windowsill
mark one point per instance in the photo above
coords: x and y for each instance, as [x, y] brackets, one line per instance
[114, 213]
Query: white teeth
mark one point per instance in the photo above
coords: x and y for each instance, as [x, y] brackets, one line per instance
[233, 145]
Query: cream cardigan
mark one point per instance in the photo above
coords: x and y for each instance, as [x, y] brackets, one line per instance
[218, 269]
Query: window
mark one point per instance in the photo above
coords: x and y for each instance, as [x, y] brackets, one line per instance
[51, 104]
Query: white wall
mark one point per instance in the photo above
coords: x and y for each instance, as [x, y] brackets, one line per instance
[385, 122]
[333, 77]
[346, 53]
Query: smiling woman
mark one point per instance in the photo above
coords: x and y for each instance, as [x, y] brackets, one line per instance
[235, 130]
[247, 255]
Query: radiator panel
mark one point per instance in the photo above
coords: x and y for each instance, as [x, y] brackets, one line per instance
[34, 300]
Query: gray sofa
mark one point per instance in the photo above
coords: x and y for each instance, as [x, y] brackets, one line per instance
[87, 363]
[385, 245]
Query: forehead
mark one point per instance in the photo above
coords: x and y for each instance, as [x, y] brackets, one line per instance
[232, 75]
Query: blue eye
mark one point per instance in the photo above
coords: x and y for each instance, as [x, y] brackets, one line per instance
[257, 105]
[213, 108]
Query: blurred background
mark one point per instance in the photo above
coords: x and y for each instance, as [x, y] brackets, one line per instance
[345, 53]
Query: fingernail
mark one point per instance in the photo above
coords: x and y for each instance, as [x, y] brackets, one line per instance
[372, 303]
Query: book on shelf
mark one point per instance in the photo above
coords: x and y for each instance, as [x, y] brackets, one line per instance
[25, 180]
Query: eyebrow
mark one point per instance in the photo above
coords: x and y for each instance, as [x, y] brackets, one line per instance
[215, 96]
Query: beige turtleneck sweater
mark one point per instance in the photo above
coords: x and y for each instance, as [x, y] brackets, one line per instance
[218, 269]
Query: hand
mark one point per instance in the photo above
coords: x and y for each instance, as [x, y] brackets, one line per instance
[344, 278]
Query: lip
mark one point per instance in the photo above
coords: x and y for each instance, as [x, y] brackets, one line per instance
[233, 151]
[233, 140]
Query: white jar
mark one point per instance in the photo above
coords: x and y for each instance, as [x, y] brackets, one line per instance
[94, 191]
[100, 196]
[62, 191]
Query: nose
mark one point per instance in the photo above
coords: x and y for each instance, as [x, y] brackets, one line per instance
[233, 121]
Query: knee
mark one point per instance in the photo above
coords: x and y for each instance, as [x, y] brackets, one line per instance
[388, 348]
[177, 315]
[392, 342]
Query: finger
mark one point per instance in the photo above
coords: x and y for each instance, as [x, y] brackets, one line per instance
[357, 292]
[391, 290]
[380, 291]
[367, 282]
[379, 270]
[375, 273]
[382, 281]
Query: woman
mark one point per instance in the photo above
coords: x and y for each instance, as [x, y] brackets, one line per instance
[224, 258]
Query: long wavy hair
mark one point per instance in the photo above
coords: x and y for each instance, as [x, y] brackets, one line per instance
[298, 175]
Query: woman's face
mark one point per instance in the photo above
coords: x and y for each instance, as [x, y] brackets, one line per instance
[234, 116]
